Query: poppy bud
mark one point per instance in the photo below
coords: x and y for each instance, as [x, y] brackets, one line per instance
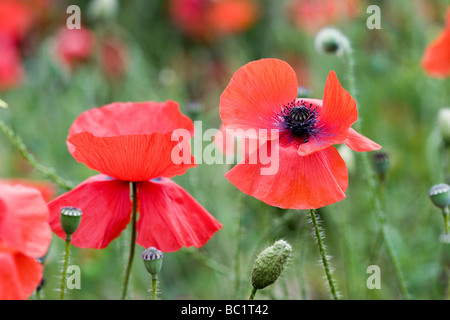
[440, 195]
[270, 263]
[444, 124]
[70, 219]
[380, 162]
[152, 260]
[331, 41]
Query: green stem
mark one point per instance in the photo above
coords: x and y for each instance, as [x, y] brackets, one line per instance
[320, 242]
[49, 173]
[237, 258]
[66, 263]
[446, 216]
[132, 241]
[252, 294]
[154, 282]
[368, 170]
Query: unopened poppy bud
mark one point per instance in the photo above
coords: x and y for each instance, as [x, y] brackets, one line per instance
[331, 41]
[380, 162]
[444, 124]
[440, 195]
[270, 264]
[152, 260]
[70, 219]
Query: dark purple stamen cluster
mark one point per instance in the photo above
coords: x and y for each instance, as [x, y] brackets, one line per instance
[300, 118]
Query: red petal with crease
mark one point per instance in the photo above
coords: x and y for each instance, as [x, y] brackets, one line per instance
[256, 93]
[337, 115]
[106, 208]
[130, 157]
[128, 118]
[308, 182]
[360, 143]
[171, 218]
[24, 220]
[19, 276]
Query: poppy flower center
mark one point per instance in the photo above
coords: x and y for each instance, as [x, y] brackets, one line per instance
[300, 118]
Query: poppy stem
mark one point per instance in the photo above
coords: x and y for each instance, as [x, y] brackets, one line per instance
[66, 263]
[133, 240]
[49, 173]
[252, 294]
[237, 262]
[320, 242]
[378, 208]
[154, 282]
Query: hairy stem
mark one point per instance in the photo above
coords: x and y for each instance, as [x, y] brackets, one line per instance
[64, 271]
[48, 173]
[320, 242]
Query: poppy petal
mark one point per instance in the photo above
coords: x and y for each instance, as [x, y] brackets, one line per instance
[436, 58]
[19, 276]
[24, 220]
[308, 182]
[128, 118]
[360, 143]
[337, 115]
[171, 218]
[106, 208]
[256, 94]
[132, 157]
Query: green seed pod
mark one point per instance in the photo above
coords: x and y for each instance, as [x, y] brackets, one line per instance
[380, 162]
[270, 264]
[440, 195]
[70, 219]
[152, 260]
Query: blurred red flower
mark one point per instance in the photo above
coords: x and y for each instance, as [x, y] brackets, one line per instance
[313, 15]
[47, 189]
[436, 58]
[16, 19]
[132, 142]
[74, 46]
[24, 236]
[114, 58]
[262, 95]
[207, 19]
[12, 72]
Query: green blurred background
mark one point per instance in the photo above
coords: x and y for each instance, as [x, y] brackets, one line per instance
[398, 107]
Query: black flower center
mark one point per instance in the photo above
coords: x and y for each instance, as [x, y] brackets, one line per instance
[300, 119]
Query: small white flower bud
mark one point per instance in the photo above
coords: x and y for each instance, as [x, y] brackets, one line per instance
[332, 41]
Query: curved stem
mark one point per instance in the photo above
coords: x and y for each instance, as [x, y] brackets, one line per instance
[132, 241]
[252, 294]
[378, 208]
[320, 242]
[49, 173]
[64, 272]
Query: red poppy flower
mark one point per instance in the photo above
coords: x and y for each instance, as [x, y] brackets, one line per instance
[206, 19]
[16, 19]
[74, 46]
[133, 142]
[436, 58]
[12, 72]
[47, 189]
[113, 58]
[312, 15]
[24, 236]
[262, 96]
